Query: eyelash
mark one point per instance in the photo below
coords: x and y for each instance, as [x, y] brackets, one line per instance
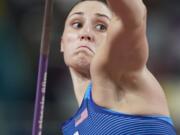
[78, 25]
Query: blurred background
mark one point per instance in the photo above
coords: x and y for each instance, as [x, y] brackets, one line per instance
[20, 34]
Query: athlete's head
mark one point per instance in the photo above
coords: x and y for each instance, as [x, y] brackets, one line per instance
[85, 29]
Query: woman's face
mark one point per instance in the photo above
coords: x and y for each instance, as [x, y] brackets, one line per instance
[85, 29]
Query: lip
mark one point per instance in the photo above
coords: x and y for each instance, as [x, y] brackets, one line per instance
[86, 47]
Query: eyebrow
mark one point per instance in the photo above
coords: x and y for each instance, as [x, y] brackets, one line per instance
[97, 14]
[76, 13]
[102, 15]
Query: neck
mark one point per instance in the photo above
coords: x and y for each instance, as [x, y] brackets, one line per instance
[80, 83]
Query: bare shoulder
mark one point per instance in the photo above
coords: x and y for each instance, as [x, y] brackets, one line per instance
[134, 93]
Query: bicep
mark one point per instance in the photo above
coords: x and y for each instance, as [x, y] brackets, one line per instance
[126, 50]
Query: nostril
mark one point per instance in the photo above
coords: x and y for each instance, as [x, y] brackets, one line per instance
[88, 38]
[82, 37]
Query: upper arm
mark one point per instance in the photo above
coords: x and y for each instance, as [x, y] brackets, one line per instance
[126, 48]
[131, 12]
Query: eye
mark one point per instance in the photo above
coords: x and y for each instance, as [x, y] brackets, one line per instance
[101, 27]
[77, 25]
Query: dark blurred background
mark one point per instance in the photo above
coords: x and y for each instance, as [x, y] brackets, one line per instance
[20, 34]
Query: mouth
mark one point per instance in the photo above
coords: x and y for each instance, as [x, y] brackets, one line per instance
[85, 47]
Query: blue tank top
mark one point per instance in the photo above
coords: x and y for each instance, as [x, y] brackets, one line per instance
[91, 119]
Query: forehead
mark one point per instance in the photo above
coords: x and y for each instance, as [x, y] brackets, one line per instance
[91, 7]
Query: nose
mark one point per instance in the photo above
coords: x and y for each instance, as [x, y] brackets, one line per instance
[86, 34]
[86, 37]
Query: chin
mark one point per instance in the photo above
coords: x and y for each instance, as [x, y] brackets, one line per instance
[82, 65]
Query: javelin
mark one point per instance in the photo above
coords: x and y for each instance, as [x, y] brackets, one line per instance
[42, 71]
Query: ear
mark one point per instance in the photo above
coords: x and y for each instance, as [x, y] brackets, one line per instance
[61, 45]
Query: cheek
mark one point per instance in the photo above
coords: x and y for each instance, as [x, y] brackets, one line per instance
[70, 38]
[69, 41]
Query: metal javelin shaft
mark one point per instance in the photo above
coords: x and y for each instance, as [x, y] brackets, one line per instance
[42, 71]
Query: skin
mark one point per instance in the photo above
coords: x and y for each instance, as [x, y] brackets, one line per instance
[110, 49]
